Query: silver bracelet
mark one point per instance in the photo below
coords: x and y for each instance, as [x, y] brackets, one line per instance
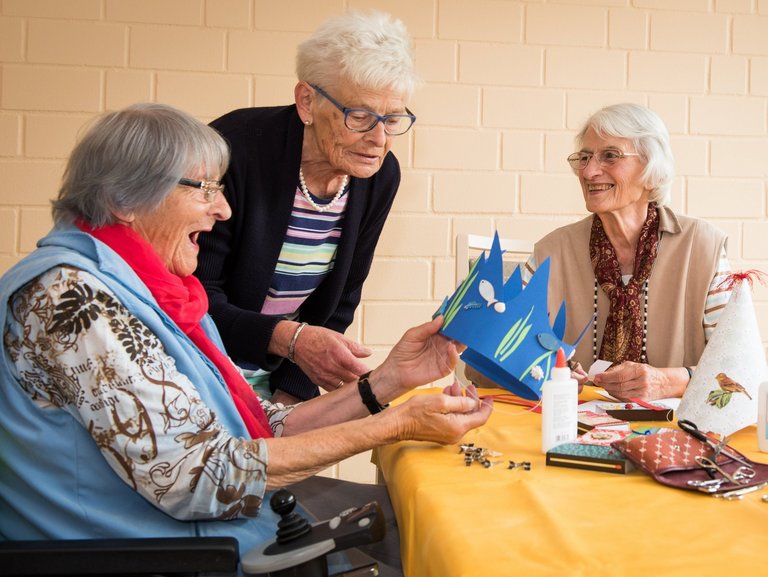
[292, 345]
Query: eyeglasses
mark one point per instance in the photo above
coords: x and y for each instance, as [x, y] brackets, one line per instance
[605, 158]
[362, 120]
[209, 188]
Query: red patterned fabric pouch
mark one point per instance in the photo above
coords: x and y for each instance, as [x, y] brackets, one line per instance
[675, 458]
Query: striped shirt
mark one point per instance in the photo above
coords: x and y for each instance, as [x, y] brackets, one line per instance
[717, 296]
[307, 254]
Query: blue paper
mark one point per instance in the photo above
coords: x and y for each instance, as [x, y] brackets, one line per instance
[506, 327]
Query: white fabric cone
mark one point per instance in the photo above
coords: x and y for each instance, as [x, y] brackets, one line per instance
[735, 352]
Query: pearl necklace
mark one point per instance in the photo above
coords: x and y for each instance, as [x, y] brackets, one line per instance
[310, 200]
[643, 355]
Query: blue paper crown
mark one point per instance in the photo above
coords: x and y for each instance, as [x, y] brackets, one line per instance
[505, 326]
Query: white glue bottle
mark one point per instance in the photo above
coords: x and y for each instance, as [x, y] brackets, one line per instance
[559, 406]
[762, 417]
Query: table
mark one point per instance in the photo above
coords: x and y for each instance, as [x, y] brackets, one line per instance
[459, 521]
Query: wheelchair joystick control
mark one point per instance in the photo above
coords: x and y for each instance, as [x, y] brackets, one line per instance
[300, 548]
[291, 525]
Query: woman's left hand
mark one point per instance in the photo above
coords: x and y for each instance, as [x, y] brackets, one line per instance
[421, 356]
[631, 380]
[443, 419]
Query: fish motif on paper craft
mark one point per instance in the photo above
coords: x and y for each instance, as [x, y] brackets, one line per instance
[486, 290]
[505, 326]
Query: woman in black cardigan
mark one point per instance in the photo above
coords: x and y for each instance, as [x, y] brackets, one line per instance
[310, 186]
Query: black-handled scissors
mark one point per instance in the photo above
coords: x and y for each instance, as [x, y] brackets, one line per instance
[691, 428]
[716, 446]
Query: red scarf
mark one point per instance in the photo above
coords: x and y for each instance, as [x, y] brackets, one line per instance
[624, 327]
[184, 300]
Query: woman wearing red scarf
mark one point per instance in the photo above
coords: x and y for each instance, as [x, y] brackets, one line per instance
[646, 280]
[114, 373]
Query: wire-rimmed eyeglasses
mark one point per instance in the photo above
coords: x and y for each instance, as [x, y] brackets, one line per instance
[362, 120]
[209, 188]
[605, 158]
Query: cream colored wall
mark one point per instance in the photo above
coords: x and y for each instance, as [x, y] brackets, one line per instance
[507, 83]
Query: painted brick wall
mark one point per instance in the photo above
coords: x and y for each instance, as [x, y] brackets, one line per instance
[506, 85]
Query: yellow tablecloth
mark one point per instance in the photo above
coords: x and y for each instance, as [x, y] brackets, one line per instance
[459, 521]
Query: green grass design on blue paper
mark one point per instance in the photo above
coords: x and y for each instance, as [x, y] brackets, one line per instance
[514, 337]
[455, 305]
[507, 337]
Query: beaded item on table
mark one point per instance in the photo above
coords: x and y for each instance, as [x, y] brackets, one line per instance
[310, 200]
[643, 355]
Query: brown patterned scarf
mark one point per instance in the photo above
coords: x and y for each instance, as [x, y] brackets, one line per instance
[624, 327]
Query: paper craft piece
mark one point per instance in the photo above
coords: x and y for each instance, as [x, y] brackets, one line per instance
[588, 420]
[602, 437]
[722, 395]
[506, 327]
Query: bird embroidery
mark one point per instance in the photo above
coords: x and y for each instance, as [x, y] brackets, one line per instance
[721, 397]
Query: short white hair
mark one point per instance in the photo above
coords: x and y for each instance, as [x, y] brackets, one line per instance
[650, 137]
[130, 161]
[369, 49]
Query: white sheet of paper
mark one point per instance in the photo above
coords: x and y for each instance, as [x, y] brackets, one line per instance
[598, 367]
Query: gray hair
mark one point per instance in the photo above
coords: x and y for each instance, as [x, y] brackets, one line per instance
[129, 161]
[651, 140]
[369, 49]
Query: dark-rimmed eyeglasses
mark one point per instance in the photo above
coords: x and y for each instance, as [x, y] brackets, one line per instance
[209, 188]
[362, 120]
[605, 158]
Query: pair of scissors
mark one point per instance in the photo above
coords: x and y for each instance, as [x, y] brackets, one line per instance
[716, 446]
[740, 476]
[693, 430]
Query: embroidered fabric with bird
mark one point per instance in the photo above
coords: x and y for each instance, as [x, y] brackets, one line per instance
[720, 398]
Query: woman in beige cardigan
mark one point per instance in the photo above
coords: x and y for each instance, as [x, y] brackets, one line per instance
[650, 276]
[645, 278]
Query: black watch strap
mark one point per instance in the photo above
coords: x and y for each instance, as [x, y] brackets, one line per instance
[366, 394]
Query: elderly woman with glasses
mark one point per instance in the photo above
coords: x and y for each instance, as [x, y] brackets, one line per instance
[644, 280]
[121, 414]
[310, 185]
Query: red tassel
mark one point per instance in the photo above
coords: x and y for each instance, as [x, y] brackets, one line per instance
[735, 279]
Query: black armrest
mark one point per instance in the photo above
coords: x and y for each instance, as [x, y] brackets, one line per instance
[168, 556]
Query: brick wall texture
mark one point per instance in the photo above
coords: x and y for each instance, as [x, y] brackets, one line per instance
[506, 85]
